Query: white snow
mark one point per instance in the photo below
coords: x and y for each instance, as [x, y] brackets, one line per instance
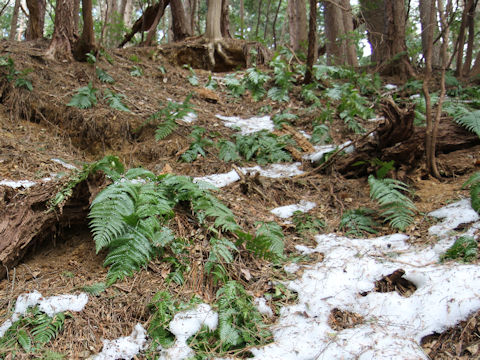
[64, 164]
[394, 325]
[17, 184]
[190, 118]
[250, 125]
[287, 211]
[390, 86]
[51, 306]
[186, 324]
[320, 150]
[271, 171]
[263, 308]
[125, 347]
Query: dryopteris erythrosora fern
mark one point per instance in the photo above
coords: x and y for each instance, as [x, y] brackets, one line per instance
[130, 218]
[395, 206]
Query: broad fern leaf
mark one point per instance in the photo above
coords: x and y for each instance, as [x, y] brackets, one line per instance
[357, 221]
[474, 183]
[396, 207]
[469, 120]
[227, 151]
[165, 128]
[84, 98]
[268, 242]
[278, 94]
[115, 101]
[104, 77]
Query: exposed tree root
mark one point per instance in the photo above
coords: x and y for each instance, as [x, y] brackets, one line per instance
[26, 222]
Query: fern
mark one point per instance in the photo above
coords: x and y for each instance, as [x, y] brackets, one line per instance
[234, 85]
[465, 249]
[227, 151]
[239, 322]
[254, 81]
[197, 147]
[264, 147]
[283, 78]
[220, 253]
[115, 100]
[474, 184]
[84, 98]
[464, 116]
[32, 332]
[168, 115]
[283, 118]
[358, 221]
[104, 77]
[305, 223]
[268, 241]
[395, 206]
[320, 134]
[192, 78]
[309, 96]
[136, 71]
[94, 289]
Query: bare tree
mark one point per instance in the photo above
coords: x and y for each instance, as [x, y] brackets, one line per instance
[297, 18]
[14, 22]
[36, 19]
[86, 43]
[425, 20]
[180, 26]
[312, 41]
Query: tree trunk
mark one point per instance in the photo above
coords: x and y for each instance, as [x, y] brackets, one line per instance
[471, 38]
[274, 25]
[86, 43]
[225, 20]
[76, 15]
[259, 16]
[61, 44]
[213, 31]
[36, 19]
[267, 16]
[425, 20]
[162, 5]
[312, 41]
[179, 20]
[14, 22]
[461, 37]
[126, 9]
[297, 17]
[373, 13]
[338, 28]
[242, 19]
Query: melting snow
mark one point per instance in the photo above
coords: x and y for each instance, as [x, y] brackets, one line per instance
[271, 171]
[64, 164]
[394, 325]
[17, 184]
[125, 347]
[320, 150]
[248, 126]
[51, 306]
[263, 308]
[186, 324]
[287, 211]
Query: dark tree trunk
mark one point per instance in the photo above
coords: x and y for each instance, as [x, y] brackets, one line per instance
[14, 22]
[86, 43]
[180, 27]
[63, 36]
[36, 19]
[312, 41]
[225, 20]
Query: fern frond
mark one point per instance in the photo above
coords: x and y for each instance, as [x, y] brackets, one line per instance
[474, 183]
[396, 207]
[94, 289]
[357, 221]
[104, 77]
[227, 151]
[84, 98]
[165, 128]
[114, 100]
[469, 120]
[268, 242]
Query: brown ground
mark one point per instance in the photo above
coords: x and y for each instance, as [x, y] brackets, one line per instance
[37, 126]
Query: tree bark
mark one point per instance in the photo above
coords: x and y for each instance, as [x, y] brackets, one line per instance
[63, 36]
[461, 37]
[225, 20]
[76, 15]
[180, 26]
[86, 43]
[14, 22]
[297, 17]
[471, 38]
[259, 16]
[126, 9]
[274, 25]
[242, 19]
[425, 20]
[312, 41]
[213, 31]
[36, 19]
[267, 16]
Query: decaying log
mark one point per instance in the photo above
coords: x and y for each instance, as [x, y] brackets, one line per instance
[399, 140]
[25, 220]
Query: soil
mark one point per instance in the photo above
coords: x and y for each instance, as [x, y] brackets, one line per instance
[37, 126]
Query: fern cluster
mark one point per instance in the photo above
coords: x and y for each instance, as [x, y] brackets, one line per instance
[395, 206]
[31, 333]
[356, 222]
[18, 76]
[86, 97]
[283, 79]
[474, 184]
[465, 249]
[198, 145]
[306, 223]
[263, 147]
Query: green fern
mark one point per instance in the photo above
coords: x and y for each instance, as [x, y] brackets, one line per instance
[94, 289]
[220, 254]
[395, 206]
[32, 332]
[263, 147]
[465, 249]
[227, 151]
[85, 97]
[268, 241]
[254, 81]
[239, 322]
[309, 95]
[283, 118]
[356, 222]
[115, 100]
[283, 78]
[192, 78]
[320, 134]
[168, 115]
[234, 85]
[306, 223]
[198, 146]
[104, 77]
[465, 116]
[474, 184]
[136, 71]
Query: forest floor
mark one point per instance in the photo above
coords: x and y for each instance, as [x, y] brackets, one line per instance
[37, 129]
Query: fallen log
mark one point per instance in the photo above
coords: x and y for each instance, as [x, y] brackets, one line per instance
[399, 140]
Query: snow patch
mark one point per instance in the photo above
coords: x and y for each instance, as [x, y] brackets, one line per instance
[184, 325]
[287, 211]
[64, 164]
[51, 306]
[18, 184]
[190, 118]
[125, 347]
[454, 214]
[320, 150]
[248, 126]
[271, 171]
[262, 307]
[394, 325]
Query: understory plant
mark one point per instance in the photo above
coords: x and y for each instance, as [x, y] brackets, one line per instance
[465, 249]
[357, 222]
[474, 184]
[166, 118]
[263, 147]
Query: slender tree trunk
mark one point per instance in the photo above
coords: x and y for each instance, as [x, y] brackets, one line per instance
[425, 20]
[36, 19]
[60, 46]
[86, 43]
[267, 15]
[162, 4]
[242, 18]
[126, 9]
[14, 22]
[471, 38]
[259, 15]
[180, 28]
[76, 15]
[225, 20]
[297, 17]
[274, 25]
[461, 37]
[351, 51]
[312, 41]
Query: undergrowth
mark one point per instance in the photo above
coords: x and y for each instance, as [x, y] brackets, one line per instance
[465, 249]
